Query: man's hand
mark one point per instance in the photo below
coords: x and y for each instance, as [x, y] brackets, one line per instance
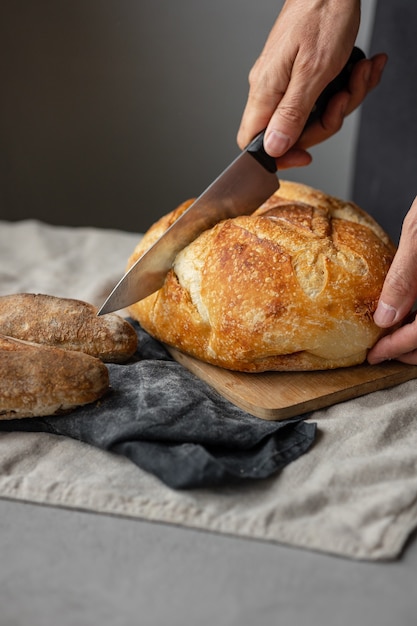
[397, 299]
[365, 76]
[308, 46]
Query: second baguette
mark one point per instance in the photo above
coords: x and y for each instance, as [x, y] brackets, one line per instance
[37, 380]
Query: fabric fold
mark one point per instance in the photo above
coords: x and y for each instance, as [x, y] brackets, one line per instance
[175, 426]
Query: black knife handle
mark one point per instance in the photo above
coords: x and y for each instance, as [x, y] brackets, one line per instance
[337, 84]
[256, 146]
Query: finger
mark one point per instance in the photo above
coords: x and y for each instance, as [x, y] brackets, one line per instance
[295, 157]
[400, 287]
[365, 76]
[410, 358]
[397, 345]
[266, 89]
[255, 117]
[379, 62]
[329, 124]
[290, 117]
[358, 86]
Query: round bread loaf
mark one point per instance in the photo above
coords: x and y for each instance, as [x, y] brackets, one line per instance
[291, 287]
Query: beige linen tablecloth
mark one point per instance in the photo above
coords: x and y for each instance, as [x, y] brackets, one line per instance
[353, 494]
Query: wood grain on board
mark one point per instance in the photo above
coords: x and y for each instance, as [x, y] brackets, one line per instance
[280, 395]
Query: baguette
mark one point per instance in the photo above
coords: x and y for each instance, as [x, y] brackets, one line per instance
[67, 323]
[38, 380]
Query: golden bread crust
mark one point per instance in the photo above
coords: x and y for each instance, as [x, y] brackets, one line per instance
[67, 323]
[291, 287]
[37, 380]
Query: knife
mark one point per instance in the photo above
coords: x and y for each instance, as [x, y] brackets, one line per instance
[240, 189]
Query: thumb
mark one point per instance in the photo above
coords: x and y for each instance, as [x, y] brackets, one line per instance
[289, 119]
[400, 287]
[292, 112]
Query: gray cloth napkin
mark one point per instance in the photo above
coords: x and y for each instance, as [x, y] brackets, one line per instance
[170, 423]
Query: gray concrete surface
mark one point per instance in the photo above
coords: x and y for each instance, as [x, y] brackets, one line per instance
[79, 569]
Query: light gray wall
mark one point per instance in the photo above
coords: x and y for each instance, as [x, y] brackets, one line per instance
[114, 111]
[332, 166]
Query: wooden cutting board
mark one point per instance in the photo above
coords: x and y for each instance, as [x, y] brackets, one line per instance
[280, 395]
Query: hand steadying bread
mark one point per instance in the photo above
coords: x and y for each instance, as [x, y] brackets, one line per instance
[291, 287]
[52, 351]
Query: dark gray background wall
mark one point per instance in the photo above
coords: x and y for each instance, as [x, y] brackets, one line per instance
[114, 111]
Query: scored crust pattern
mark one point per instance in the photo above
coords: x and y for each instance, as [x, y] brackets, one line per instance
[291, 287]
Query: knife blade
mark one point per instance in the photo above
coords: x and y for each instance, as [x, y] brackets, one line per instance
[240, 189]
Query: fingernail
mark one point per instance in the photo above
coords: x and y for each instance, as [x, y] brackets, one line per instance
[385, 314]
[343, 108]
[382, 63]
[367, 75]
[276, 143]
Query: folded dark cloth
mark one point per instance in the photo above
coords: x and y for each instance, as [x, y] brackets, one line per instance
[172, 424]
